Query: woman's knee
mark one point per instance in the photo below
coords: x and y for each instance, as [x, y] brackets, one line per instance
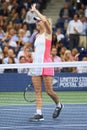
[38, 91]
[49, 92]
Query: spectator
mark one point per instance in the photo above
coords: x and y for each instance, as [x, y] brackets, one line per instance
[27, 55]
[1, 20]
[83, 34]
[41, 5]
[5, 51]
[24, 4]
[86, 12]
[10, 26]
[22, 59]
[30, 20]
[54, 40]
[23, 14]
[60, 35]
[25, 52]
[81, 10]
[17, 19]
[11, 15]
[62, 52]
[10, 61]
[22, 38]
[75, 54]
[55, 58]
[10, 42]
[25, 28]
[11, 53]
[16, 6]
[68, 58]
[83, 69]
[65, 15]
[10, 5]
[59, 45]
[10, 36]
[2, 35]
[13, 34]
[73, 31]
[5, 10]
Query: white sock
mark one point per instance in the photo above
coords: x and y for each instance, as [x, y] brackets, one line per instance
[59, 105]
[39, 111]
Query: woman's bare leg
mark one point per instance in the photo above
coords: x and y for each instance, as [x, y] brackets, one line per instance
[48, 80]
[37, 83]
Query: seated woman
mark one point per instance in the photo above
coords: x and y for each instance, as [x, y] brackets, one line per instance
[10, 61]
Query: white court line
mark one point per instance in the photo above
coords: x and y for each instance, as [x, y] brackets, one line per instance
[12, 109]
[18, 105]
[45, 126]
[44, 107]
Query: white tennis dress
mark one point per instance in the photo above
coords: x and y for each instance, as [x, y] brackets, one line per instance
[42, 54]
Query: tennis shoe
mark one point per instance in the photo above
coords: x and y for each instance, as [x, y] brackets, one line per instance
[57, 111]
[37, 117]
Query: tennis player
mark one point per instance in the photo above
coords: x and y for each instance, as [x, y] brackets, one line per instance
[41, 54]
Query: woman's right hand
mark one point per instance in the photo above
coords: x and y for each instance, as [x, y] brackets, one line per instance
[33, 8]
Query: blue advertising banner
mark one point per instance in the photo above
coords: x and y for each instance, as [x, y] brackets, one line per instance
[62, 82]
[70, 81]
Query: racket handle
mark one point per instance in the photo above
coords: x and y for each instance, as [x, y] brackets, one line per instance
[29, 85]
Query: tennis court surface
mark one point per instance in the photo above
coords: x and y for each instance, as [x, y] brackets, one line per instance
[73, 117]
[15, 116]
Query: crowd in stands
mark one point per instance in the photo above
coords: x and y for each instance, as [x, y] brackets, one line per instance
[70, 33]
[18, 30]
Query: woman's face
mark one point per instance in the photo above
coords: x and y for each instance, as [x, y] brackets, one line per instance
[25, 27]
[5, 49]
[39, 24]
[22, 59]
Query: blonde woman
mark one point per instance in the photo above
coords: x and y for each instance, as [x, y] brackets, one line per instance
[42, 47]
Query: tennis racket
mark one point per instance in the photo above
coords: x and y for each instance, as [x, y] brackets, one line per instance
[29, 94]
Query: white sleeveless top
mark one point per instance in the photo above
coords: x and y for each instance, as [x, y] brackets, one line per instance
[42, 54]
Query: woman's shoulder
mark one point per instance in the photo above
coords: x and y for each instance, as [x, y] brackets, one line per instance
[48, 36]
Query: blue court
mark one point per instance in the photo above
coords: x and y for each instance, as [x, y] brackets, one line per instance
[16, 117]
